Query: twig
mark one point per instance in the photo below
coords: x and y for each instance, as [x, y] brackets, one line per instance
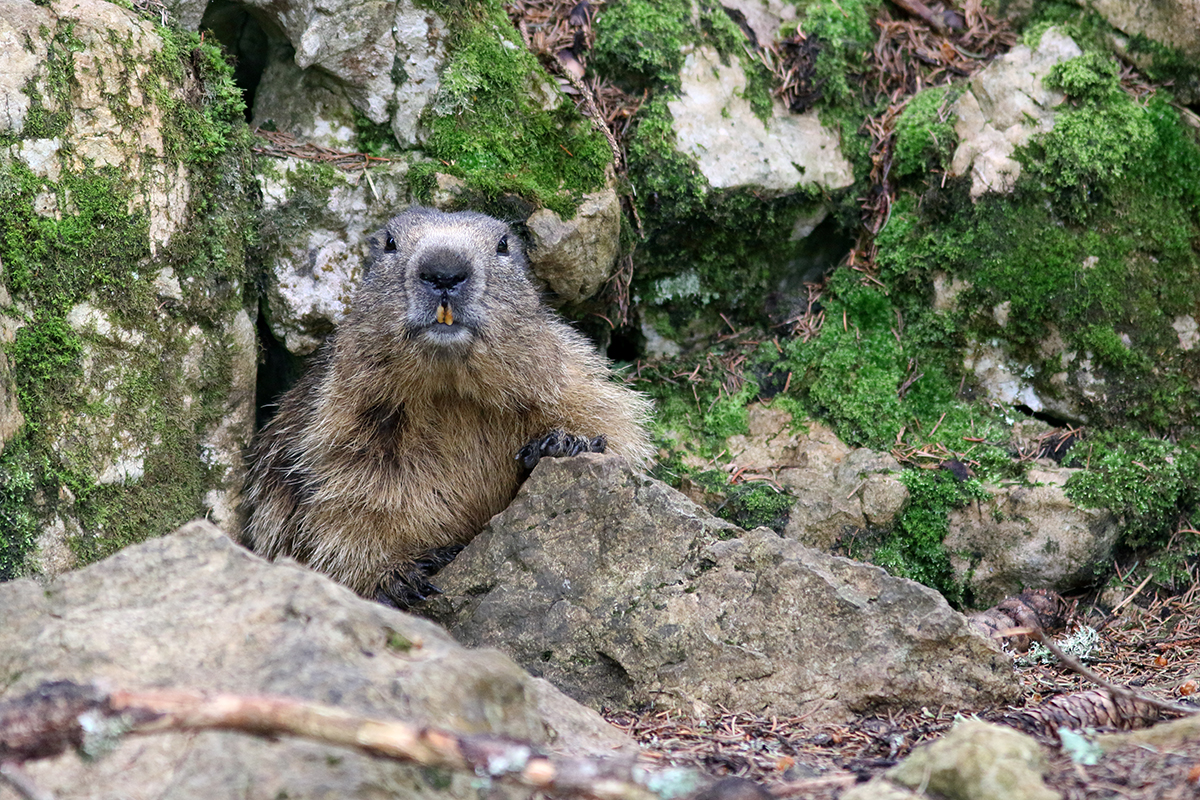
[1118, 692]
[63, 715]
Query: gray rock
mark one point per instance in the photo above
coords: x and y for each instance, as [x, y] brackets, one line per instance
[322, 218]
[733, 148]
[576, 256]
[975, 761]
[1006, 105]
[1173, 23]
[838, 488]
[160, 398]
[622, 592]
[195, 610]
[1029, 537]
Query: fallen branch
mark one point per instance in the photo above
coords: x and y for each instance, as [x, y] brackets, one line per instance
[62, 715]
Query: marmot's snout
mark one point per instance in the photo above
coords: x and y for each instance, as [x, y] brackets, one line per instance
[444, 275]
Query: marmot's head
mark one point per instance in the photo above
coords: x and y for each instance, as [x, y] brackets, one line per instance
[447, 281]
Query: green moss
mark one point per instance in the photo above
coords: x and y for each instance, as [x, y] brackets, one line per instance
[1105, 263]
[1095, 142]
[753, 505]
[376, 139]
[76, 386]
[488, 126]
[1149, 483]
[914, 549]
[925, 136]
[843, 28]
[641, 42]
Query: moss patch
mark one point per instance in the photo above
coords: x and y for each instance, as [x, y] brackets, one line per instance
[925, 136]
[1095, 248]
[488, 126]
[136, 384]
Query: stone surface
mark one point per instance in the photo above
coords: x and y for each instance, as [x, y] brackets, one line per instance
[106, 38]
[733, 148]
[643, 598]
[1174, 23]
[195, 610]
[576, 256]
[322, 220]
[764, 17]
[1029, 537]
[159, 391]
[1007, 103]
[975, 761]
[838, 489]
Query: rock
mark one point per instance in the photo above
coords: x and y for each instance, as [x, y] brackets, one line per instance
[1029, 537]
[124, 262]
[838, 489]
[715, 125]
[1172, 23]
[624, 593]
[575, 257]
[11, 418]
[1006, 105]
[975, 761]
[321, 218]
[763, 17]
[195, 610]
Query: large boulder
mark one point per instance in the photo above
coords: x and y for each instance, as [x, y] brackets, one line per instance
[623, 592]
[122, 310]
[1029, 536]
[195, 610]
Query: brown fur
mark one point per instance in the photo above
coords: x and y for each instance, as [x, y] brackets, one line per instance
[402, 438]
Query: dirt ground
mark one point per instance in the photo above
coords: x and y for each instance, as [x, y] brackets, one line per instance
[1149, 646]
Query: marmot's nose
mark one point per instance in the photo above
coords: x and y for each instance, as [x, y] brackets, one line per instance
[444, 270]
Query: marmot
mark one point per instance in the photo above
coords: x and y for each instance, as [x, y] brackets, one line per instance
[422, 414]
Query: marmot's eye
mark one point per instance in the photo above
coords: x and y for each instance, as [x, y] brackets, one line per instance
[502, 245]
[390, 247]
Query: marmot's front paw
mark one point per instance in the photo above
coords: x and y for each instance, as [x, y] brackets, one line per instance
[407, 584]
[556, 444]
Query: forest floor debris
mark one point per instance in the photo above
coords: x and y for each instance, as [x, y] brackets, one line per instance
[1151, 646]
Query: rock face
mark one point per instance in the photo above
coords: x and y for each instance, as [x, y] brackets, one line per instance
[574, 257]
[1029, 537]
[715, 125]
[1006, 105]
[622, 592]
[837, 488]
[195, 610]
[1171, 23]
[320, 218]
[121, 310]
